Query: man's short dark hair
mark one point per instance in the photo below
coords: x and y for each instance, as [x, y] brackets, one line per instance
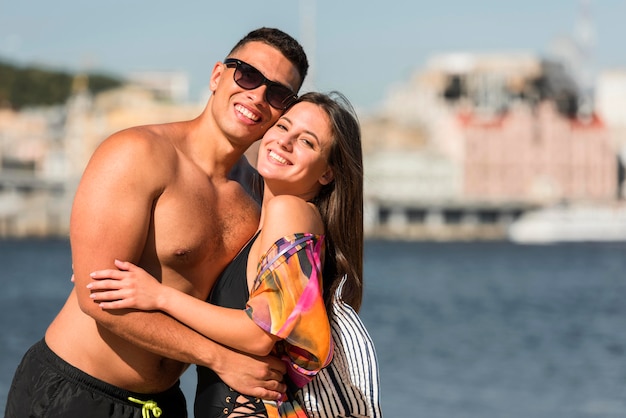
[286, 44]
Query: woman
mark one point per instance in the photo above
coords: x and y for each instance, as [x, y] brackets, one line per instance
[311, 226]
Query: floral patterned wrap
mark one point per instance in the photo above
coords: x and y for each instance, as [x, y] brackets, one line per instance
[287, 301]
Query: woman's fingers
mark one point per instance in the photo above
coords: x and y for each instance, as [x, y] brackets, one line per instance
[114, 304]
[105, 284]
[125, 265]
[108, 274]
[106, 295]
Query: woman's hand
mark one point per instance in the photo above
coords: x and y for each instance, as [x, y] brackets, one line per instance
[128, 287]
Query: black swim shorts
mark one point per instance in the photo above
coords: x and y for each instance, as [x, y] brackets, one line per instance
[45, 385]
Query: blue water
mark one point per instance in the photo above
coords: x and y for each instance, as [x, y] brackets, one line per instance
[476, 330]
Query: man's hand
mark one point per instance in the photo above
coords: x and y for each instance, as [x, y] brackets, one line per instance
[260, 377]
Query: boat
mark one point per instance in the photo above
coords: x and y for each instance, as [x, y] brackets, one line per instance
[570, 223]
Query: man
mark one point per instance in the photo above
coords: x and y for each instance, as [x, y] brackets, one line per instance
[160, 196]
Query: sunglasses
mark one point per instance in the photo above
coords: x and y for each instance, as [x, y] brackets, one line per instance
[249, 78]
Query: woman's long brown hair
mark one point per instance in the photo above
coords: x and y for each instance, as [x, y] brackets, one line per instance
[341, 202]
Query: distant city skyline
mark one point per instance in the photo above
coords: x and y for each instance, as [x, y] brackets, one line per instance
[361, 49]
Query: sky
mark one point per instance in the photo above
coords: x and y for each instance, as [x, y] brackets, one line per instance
[361, 48]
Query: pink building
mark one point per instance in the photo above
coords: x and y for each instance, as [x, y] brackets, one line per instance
[537, 155]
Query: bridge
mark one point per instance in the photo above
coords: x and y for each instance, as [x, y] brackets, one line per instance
[440, 220]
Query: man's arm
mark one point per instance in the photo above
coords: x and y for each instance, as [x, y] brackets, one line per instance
[256, 376]
[111, 219]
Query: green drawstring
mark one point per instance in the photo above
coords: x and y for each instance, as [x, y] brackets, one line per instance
[148, 406]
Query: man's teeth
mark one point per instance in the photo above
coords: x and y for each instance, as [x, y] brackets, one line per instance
[246, 113]
[277, 157]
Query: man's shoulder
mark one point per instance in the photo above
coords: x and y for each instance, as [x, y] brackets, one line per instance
[153, 136]
[139, 152]
[150, 142]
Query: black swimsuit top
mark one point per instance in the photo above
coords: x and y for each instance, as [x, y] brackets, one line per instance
[231, 288]
[230, 291]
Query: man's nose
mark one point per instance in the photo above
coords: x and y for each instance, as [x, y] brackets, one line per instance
[259, 94]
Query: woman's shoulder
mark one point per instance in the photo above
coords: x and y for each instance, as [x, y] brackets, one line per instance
[288, 202]
[287, 215]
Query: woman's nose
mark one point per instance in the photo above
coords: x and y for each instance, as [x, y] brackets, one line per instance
[284, 141]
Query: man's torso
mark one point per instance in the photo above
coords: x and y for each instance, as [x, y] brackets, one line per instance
[198, 225]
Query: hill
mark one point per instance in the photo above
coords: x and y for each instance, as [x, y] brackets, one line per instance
[25, 86]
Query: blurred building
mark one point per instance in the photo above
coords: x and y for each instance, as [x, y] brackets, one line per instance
[610, 99]
[493, 136]
[463, 149]
[44, 151]
[168, 86]
[31, 192]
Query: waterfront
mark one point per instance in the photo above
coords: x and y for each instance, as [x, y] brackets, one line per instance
[462, 329]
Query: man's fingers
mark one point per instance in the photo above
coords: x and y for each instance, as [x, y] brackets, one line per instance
[271, 390]
[269, 395]
[275, 376]
[276, 365]
[279, 390]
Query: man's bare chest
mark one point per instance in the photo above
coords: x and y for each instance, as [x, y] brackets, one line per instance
[202, 227]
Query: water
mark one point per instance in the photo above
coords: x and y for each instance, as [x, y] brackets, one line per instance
[464, 330]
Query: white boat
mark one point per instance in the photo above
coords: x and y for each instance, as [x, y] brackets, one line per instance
[570, 224]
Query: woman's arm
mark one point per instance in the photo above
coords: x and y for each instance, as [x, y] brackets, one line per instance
[132, 287]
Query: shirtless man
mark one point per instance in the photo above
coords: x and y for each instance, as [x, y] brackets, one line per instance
[160, 196]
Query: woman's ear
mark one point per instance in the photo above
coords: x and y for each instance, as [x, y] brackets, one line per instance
[327, 177]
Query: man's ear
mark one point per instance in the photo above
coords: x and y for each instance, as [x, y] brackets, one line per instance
[327, 177]
[218, 70]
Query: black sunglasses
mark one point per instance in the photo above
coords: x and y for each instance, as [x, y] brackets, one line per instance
[249, 78]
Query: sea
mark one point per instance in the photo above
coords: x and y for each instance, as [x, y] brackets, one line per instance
[461, 329]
